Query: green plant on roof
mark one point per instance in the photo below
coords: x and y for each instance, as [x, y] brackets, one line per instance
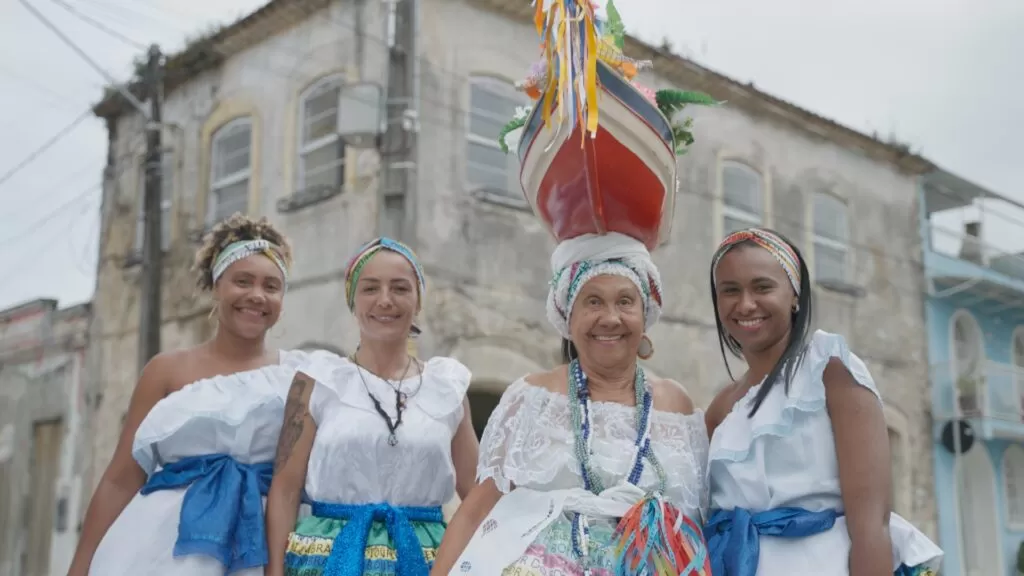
[671, 103]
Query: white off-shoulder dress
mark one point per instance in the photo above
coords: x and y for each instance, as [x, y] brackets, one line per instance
[376, 506]
[211, 444]
[765, 469]
[528, 450]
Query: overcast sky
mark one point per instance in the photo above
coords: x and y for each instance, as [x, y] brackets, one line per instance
[937, 74]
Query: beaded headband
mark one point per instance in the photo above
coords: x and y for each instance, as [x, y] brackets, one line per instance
[771, 242]
[243, 249]
[363, 255]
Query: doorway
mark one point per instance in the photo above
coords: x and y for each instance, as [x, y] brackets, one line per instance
[44, 467]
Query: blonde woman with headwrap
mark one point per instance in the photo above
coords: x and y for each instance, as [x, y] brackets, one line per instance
[594, 467]
[182, 495]
[379, 440]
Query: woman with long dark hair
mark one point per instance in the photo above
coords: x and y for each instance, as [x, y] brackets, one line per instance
[799, 459]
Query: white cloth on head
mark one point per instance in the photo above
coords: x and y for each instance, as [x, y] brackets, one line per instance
[601, 251]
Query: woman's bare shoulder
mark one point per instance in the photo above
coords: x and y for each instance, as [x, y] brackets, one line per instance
[670, 396]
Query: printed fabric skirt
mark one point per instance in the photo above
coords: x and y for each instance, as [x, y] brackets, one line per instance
[551, 554]
[310, 545]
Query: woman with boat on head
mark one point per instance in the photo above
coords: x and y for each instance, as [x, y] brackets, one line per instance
[799, 459]
[182, 494]
[378, 440]
[595, 467]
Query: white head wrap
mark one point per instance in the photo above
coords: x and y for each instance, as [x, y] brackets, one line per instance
[577, 260]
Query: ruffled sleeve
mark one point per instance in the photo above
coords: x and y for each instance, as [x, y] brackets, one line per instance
[782, 408]
[446, 381]
[504, 437]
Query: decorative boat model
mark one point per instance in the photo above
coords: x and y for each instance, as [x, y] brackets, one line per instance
[597, 151]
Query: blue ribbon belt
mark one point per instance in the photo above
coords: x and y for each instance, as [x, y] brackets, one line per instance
[348, 551]
[222, 513]
[734, 535]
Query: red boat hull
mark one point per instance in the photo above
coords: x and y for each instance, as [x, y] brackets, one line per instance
[623, 180]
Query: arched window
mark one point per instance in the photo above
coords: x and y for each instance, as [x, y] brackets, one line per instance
[742, 197]
[321, 161]
[492, 103]
[230, 166]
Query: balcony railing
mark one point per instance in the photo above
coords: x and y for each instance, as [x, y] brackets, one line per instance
[963, 245]
[996, 391]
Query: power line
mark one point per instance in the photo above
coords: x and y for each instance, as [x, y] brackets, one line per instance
[98, 25]
[50, 216]
[92, 63]
[49, 144]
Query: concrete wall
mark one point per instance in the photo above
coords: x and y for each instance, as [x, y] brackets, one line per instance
[487, 260]
[41, 381]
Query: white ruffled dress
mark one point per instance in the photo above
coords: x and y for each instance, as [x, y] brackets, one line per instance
[528, 449]
[785, 456]
[383, 491]
[238, 415]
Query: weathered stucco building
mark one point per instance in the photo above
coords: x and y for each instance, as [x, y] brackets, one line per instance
[252, 114]
[43, 448]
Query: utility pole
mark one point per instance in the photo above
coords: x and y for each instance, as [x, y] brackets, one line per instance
[152, 240]
[398, 145]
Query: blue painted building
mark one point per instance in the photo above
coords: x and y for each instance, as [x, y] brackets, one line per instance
[973, 242]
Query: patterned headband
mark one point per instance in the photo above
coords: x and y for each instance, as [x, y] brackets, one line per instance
[771, 242]
[363, 255]
[566, 284]
[243, 249]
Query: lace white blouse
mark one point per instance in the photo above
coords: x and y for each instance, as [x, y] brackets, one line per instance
[529, 443]
[351, 461]
[528, 449]
[785, 456]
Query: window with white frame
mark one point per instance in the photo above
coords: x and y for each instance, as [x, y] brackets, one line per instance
[831, 238]
[742, 197]
[492, 103]
[166, 194]
[321, 149]
[1013, 482]
[230, 163]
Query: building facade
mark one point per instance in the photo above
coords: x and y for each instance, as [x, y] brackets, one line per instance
[973, 246]
[253, 118]
[43, 451]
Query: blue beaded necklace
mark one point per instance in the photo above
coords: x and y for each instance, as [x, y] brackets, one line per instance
[580, 411]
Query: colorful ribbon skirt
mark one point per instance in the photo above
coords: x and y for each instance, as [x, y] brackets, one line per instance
[310, 546]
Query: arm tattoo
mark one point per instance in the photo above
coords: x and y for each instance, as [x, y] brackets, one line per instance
[294, 420]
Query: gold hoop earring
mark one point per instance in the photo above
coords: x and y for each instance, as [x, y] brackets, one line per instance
[646, 349]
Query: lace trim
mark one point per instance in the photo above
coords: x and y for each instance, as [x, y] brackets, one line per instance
[528, 442]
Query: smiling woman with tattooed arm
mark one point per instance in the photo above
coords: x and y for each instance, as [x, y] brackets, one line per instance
[378, 441]
[293, 449]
